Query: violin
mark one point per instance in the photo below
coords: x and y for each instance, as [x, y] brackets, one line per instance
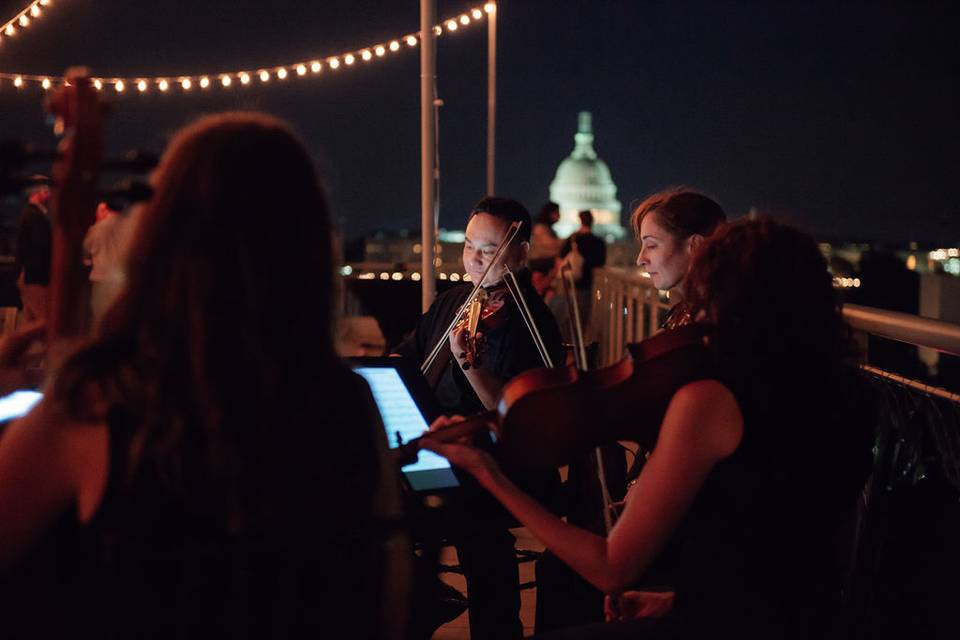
[486, 310]
[546, 418]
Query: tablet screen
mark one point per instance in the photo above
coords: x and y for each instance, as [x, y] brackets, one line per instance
[18, 404]
[402, 416]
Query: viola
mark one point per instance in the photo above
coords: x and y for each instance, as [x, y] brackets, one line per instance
[546, 418]
[73, 200]
[485, 311]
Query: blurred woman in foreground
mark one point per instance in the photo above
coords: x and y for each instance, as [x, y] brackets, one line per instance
[206, 465]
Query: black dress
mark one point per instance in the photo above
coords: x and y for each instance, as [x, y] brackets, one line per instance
[147, 567]
[755, 551]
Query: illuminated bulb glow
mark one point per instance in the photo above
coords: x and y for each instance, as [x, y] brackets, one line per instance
[226, 79]
[44, 2]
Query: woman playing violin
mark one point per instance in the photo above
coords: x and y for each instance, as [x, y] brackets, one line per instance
[752, 469]
[671, 225]
[478, 527]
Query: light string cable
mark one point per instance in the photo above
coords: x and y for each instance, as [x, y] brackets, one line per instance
[260, 74]
[23, 19]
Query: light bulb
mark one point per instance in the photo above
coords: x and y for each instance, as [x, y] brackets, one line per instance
[186, 84]
[119, 86]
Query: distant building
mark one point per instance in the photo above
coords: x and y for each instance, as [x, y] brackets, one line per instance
[582, 182]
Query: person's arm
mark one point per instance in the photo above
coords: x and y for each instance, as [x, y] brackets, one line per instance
[48, 465]
[702, 425]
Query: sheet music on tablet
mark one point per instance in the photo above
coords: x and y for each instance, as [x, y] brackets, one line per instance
[400, 414]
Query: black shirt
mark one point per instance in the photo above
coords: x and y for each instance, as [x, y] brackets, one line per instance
[509, 351]
[34, 241]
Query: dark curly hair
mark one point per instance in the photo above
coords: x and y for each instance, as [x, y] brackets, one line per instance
[766, 288]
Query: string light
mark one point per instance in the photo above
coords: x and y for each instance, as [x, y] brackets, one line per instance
[22, 18]
[227, 78]
[45, 84]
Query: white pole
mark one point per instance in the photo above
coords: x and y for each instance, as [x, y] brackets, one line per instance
[492, 8]
[428, 63]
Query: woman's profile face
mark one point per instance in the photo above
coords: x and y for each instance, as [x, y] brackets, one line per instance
[662, 255]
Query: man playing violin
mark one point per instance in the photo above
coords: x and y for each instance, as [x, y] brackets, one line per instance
[467, 381]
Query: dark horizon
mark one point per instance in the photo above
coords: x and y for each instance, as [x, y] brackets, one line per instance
[843, 119]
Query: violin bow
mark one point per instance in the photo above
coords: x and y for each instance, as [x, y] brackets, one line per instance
[513, 286]
[580, 351]
[431, 359]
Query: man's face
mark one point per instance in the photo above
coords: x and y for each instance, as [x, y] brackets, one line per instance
[484, 234]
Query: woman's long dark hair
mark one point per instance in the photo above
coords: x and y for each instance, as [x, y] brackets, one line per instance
[226, 316]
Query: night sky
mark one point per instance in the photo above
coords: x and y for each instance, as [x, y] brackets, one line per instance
[844, 119]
